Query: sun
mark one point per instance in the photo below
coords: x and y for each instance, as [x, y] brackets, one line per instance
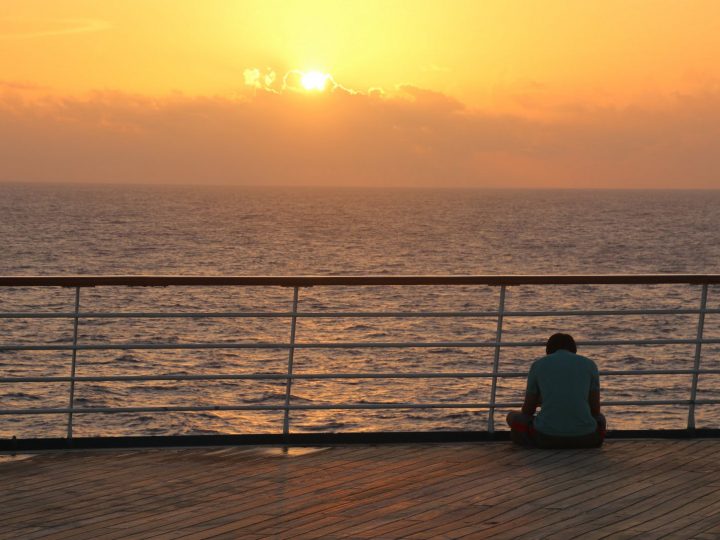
[314, 80]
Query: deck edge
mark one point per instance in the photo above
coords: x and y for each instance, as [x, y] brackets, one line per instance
[311, 439]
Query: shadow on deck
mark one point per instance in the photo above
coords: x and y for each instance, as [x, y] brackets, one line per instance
[645, 488]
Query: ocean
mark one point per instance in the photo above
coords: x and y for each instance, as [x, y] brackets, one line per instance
[163, 230]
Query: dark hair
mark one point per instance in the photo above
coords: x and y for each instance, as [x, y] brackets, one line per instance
[560, 341]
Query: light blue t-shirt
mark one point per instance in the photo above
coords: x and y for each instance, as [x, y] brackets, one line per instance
[563, 381]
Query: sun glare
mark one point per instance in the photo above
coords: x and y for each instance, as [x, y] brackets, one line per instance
[314, 80]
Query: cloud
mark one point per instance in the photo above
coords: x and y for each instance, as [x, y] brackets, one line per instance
[293, 82]
[268, 80]
[412, 137]
[40, 28]
[257, 78]
[424, 96]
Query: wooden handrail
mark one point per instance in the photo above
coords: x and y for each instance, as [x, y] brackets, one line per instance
[311, 281]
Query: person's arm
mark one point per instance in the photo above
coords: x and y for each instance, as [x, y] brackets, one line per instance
[594, 401]
[532, 393]
[594, 395]
[531, 403]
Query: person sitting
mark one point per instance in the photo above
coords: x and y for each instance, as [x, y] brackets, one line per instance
[566, 386]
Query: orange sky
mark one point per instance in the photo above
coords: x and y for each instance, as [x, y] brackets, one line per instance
[498, 93]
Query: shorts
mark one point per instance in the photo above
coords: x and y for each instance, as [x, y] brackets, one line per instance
[523, 432]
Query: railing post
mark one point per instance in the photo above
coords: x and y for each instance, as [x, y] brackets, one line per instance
[698, 355]
[496, 360]
[73, 364]
[291, 354]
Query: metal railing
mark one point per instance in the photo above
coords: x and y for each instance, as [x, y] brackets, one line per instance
[296, 284]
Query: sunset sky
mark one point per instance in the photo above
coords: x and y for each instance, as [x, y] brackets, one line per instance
[493, 93]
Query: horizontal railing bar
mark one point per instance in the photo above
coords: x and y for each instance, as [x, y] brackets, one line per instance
[253, 376]
[342, 345]
[144, 315]
[311, 281]
[311, 376]
[328, 406]
[461, 344]
[344, 314]
[571, 312]
[660, 372]
[114, 410]
[143, 346]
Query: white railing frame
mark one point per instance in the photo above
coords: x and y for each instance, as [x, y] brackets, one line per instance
[698, 354]
[496, 358]
[73, 364]
[291, 356]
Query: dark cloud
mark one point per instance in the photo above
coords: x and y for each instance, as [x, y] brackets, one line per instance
[414, 137]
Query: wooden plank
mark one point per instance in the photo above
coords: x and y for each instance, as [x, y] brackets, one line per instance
[667, 511]
[305, 487]
[629, 488]
[103, 487]
[511, 514]
[357, 492]
[272, 502]
[426, 513]
[455, 496]
[695, 517]
[511, 510]
[434, 498]
[205, 495]
[381, 474]
[600, 518]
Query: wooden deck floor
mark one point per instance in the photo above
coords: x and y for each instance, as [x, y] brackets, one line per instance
[639, 488]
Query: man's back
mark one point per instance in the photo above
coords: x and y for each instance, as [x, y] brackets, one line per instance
[563, 380]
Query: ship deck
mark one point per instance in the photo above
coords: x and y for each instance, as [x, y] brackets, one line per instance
[646, 488]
